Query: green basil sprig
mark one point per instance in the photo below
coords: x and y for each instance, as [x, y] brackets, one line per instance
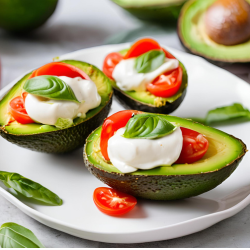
[234, 113]
[29, 188]
[13, 235]
[50, 87]
[149, 61]
[148, 126]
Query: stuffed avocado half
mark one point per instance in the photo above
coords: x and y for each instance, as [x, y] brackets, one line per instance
[67, 134]
[225, 39]
[146, 77]
[189, 175]
[163, 11]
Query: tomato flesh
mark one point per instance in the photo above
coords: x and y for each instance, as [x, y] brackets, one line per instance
[111, 125]
[59, 69]
[194, 147]
[110, 61]
[167, 84]
[113, 202]
[18, 111]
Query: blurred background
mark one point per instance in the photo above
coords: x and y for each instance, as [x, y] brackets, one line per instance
[79, 24]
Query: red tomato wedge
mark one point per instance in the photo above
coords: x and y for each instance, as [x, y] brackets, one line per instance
[113, 202]
[59, 69]
[142, 46]
[110, 61]
[194, 147]
[167, 84]
[111, 125]
[18, 111]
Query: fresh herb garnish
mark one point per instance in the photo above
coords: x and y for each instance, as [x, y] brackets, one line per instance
[149, 61]
[234, 113]
[148, 126]
[29, 188]
[13, 235]
[50, 87]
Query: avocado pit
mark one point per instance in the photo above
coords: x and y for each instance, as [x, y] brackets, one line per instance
[227, 22]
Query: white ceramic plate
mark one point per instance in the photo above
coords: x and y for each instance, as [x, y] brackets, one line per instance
[209, 87]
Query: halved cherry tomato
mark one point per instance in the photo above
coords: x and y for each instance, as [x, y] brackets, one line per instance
[59, 69]
[144, 45]
[113, 202]
[110, 61]
[111, 125]
[194, 147]
[167, 84]
[18, 111]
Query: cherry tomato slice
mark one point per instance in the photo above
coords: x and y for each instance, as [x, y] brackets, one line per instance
[111, 125]
[113, 202]
[194, 147]
[110, 61]
[18, 111]
[167, 84]
[59, 69]
[142, 46]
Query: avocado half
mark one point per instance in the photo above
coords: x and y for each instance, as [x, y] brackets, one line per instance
[191, 31]
[174, 182]
[47, 138]
[163, 11]
[145, 101]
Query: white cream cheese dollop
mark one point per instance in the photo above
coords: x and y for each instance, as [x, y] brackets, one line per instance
[127, 78]
[128, 155]
[47, 111]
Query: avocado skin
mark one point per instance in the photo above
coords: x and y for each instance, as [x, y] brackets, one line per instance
[162, 187]
[130, 103]
[60, 141]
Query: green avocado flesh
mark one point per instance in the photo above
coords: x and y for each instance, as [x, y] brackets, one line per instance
[145, 97]
[163, 11]
[171, 182]
[103, 87]
[193, 35]
[47, 138]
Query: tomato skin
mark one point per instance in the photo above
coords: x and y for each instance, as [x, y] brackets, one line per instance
[18, 111]
[194, 147]
[167, 84]
[59, 69]
[110, 61]
[142, 46]
[113, 202]
[111, 125]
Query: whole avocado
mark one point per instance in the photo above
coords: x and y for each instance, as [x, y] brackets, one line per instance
[20, 16]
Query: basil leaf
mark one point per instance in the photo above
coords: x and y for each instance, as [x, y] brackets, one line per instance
[50, 87]
[13, 235]
[146, 126]
[227, 114]
[149, 61]
[29, 188]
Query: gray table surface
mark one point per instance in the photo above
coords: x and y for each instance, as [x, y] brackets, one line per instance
[79, 24]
